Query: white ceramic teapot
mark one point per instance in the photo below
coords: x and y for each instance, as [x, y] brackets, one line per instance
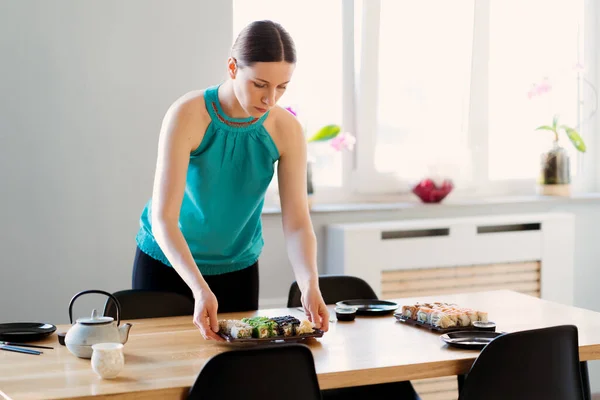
[95, 329]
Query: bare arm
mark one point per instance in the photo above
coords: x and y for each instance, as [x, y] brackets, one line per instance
[297, 226]
[179, 136]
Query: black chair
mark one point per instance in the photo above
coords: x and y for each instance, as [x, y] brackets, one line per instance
[285, 371]
[335, 288]
[535, 364]
[136, 304]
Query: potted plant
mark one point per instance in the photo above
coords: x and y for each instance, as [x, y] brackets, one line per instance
[338, 140]
[555, 174]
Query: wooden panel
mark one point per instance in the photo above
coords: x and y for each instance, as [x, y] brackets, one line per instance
[521, 277]
[475, 280]
[437, 388]
[426, 273]
[439, 396]
[524, 287]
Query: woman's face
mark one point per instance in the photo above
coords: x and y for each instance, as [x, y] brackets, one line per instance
[258, 87]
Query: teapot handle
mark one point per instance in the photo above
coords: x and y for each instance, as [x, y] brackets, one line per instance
[113, 298]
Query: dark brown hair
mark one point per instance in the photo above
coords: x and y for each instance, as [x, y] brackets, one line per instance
[263, 41]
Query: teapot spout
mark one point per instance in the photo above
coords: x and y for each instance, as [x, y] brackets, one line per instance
[124, 332]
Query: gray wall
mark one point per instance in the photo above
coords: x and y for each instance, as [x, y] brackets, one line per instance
[83, 89]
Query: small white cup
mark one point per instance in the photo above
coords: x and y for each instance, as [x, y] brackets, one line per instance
[107, 359]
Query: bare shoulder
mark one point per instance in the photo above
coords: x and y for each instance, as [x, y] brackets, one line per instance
[189, 106]
[187, 116]
[285, 129]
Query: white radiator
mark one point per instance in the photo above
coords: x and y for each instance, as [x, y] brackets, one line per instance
[418, 257]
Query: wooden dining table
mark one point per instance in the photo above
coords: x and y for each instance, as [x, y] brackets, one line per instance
[163, 356]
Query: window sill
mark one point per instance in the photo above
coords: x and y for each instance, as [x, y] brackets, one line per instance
[406, 202]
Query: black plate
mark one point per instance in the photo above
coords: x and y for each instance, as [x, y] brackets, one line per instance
[370, 307]
[25, 331]
[317, 333]
[470, 339]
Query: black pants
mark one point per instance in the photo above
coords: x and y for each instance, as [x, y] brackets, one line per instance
[235, 291]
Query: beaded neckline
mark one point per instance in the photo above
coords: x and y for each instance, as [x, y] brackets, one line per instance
[215, 107]
[224, 119]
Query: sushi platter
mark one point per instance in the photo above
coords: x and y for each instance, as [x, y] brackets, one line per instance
[263, 330]
[440, 317]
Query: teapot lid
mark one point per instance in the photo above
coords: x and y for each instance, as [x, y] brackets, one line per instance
[95, 319]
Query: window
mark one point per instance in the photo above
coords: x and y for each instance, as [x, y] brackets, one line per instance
[449, 90]
[315, 91]
[423, 98]
[531, 41]
[432, 88]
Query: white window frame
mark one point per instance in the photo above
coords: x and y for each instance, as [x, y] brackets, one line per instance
[362, 182]
[589, 180]
[360, 116]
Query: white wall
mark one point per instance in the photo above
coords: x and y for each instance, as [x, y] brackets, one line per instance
[83, 89]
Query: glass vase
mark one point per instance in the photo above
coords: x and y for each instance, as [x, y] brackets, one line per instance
[555, 173]
[555, 167]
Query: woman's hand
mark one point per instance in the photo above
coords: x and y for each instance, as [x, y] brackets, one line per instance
[205, 314]
[314, 307]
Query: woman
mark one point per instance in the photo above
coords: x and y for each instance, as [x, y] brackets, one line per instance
[216, 156]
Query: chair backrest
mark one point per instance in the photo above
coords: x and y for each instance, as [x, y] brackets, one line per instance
[136, 304]
[534, 364]
[335, 288]
[283, 371]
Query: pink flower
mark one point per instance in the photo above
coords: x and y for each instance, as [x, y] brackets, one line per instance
[291, 110]
[343, 140]
[539, 88]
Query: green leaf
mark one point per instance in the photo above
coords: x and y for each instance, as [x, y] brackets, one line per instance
[544, 128]
[575, 138]
[555, 122]
[325, 133]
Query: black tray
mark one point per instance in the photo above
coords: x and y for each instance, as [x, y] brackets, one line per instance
[317, 333]
[475, 340]
[25, 331]
[370, 306]
[410, 321]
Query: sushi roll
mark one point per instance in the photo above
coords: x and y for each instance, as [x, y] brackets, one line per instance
[473, 316]
[286, 326]
[409, 311]
[262, 327]
[453, 315]
[463, 319]
[305, 327]
[483, 316]
[441, 320]
[235, 328]
[424, 315]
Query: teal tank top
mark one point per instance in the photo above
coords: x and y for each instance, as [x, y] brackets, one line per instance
[226, 182]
